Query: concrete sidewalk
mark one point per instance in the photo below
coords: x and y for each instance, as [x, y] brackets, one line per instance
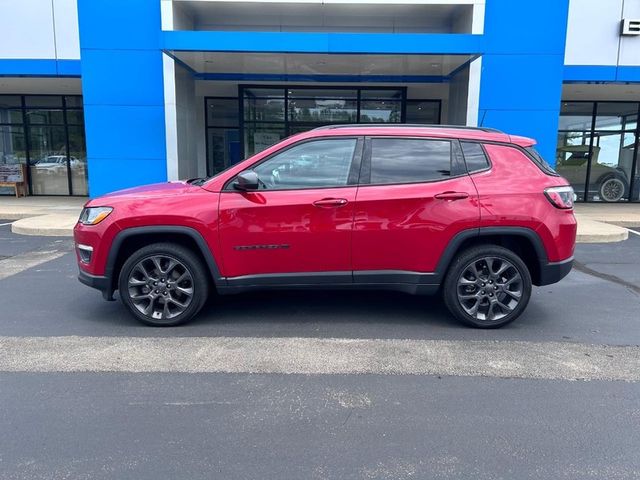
[56, 216]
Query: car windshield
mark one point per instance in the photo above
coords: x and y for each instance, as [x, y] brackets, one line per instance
[541, 162]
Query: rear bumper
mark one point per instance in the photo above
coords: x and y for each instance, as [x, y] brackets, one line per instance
[98, 282]
[553, 272]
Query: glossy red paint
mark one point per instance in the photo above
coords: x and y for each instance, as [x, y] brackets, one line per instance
[405, 227]
[511, 194]
[286, 231]
[389, 227]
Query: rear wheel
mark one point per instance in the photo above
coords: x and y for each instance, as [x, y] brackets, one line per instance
[163, 284]
[487, 287]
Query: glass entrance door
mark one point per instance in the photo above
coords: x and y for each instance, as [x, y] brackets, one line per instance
[271, 114]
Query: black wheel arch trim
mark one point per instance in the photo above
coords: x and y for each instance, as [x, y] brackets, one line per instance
[454, 246]
[192, 233]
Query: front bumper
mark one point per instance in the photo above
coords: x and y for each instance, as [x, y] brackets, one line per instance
[98, 282]
[553, 272]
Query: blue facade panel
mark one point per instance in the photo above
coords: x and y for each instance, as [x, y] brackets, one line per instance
[122, 83]
[522, 69]
[28, 67]
[121, 77]
[121, 172]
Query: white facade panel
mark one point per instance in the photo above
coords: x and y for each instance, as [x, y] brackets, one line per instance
[593, 33]
[66, 29]
[39, 29]
[27, 29]
[630, 46]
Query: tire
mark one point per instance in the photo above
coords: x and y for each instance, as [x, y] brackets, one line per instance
[163, 284]
[612, 189]
[508, 288]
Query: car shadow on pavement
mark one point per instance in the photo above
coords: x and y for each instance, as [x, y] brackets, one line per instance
[326, 306]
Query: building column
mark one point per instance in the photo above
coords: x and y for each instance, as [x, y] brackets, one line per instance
[122, 84]
[522, 69]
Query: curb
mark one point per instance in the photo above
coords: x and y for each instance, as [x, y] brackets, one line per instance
[50, 225]
[593, 231]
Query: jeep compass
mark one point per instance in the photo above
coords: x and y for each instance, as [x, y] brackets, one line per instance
[472, 213]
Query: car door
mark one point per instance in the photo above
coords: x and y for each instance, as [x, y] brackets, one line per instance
[414, 197]
[296, 228]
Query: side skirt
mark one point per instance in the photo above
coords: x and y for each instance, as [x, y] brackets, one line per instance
[415, 283]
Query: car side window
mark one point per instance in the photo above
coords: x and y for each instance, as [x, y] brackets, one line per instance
[313, 164]
[409, 160]
[474, 156]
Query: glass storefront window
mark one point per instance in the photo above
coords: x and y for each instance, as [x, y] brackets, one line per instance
[611, 164]
[576, 116]
[572, 158]
[223, 146]
[380, 111]
[48, 136]
[323, 110]
[78, 160]
[328, 93]
[258, 137]
[617, 116]
[75, 117]
[270, 114]
[43, 101]
[222, 112]
[598, 152]
[55, 117]
[48, 160]
[427, 111]
[263, 109]
[391, 94]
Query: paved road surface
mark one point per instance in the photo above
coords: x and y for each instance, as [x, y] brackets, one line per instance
[318, 385]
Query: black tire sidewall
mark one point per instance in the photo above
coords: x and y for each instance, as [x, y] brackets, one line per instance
[184, 256]
[605, 180]
[450, 294]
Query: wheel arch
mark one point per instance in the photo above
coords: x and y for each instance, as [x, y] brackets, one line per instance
[131, 239]
[523, 241]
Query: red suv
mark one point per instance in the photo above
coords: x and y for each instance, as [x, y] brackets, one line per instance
[471, 212]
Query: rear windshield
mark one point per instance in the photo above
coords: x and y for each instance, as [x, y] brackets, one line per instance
[539, 161]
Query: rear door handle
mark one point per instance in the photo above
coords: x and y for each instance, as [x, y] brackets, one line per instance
[452, 195]
[331, 202]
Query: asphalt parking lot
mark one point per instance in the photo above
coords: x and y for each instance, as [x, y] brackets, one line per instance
[263, 415]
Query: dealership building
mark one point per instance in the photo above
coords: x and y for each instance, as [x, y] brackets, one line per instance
[100, 95]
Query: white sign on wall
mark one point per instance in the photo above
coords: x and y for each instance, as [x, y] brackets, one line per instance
[630, 27]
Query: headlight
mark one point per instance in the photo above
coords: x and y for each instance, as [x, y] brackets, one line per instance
[94, 215]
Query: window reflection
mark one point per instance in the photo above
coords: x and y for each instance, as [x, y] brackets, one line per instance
[597, 152]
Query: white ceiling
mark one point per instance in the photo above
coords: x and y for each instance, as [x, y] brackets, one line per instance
[403, 16]
[321, 64]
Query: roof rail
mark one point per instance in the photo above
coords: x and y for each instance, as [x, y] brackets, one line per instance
[412, 125]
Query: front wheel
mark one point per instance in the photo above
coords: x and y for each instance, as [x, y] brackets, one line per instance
[487, 287]
[163, 284]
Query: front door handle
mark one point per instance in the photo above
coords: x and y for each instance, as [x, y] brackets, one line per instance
[331, 202]
[452, 195]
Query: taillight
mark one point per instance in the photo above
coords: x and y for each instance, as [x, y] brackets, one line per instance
[560, 197]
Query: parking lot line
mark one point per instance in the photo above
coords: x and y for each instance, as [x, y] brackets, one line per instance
[5, 224]
[633, 231]
[296, 355]
[19, 263]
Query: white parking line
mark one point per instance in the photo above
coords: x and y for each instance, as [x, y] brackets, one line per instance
[633, 231]
[324, 356]
[19, 263]
[5, 224]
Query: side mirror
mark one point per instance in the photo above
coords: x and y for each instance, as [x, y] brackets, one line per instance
[247, 180]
